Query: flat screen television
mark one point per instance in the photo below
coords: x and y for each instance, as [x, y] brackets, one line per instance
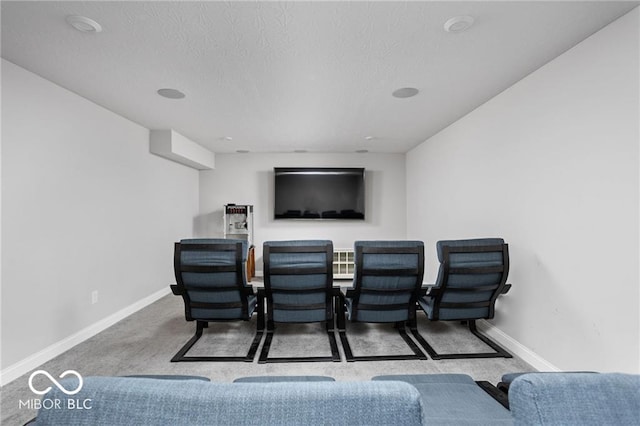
[319, 193]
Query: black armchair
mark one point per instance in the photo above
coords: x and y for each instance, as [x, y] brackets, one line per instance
[387, 283]
[298, 285]
[211, 278]
[472, 274]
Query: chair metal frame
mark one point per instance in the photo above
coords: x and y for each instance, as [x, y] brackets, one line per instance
[438, 293]
[180, 289]
[268, 291]
[355, 293]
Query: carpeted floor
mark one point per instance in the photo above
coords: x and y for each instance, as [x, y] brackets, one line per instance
[145, 342]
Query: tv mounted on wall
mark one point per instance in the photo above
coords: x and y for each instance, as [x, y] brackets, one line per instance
[319, 193]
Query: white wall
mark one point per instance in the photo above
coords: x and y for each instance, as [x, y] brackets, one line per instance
[248, 179]
[85, 207]
[551, 165]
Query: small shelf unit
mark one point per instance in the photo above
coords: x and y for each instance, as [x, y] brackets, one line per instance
[343, 264]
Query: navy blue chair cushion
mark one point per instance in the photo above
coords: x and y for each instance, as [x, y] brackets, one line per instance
[299, 281]
[380, 262]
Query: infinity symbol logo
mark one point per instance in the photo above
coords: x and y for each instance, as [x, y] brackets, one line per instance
[55, 382]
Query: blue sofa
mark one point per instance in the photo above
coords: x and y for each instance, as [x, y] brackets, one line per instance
[439, 399]
[575, 399]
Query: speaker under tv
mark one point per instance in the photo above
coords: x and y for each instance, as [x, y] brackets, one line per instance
[319, 193]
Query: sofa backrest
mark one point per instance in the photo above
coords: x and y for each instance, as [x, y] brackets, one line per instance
[575, 399]
[116, 401]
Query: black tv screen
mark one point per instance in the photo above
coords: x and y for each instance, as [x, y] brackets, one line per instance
[319, 193]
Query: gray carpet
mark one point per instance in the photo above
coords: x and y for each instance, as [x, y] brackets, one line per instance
[145, 342]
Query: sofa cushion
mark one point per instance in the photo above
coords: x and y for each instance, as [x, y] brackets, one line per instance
[127, 401]
[575, 398]
[429, 378]
[169, 377]
[272, 379]
[454, 399]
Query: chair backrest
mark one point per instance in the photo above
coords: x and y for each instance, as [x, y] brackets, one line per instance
[211, 278]
[298, 280]
[387, 280]
[472, 275]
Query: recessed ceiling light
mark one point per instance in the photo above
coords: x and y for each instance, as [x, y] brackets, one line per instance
[84, 24]
[458, 24]
[362, 151]
[369, 138]
[242, 151]
[405, 92]
[227, 138]
[171, 93]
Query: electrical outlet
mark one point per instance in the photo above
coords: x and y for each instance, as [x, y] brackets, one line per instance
[94, 297]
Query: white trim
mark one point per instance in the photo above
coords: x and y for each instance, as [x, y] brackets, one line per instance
[20, 368]
[515, 347]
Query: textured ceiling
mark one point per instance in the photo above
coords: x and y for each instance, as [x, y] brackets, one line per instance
[285, 76]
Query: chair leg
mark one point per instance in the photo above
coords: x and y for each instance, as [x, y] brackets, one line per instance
[259, 329]
[417, 353]
[416, 350]
[264, 354]
[348, 354]
[335, 354]
[180, 356]
[413, 328]
[342, 332]
[499, 351]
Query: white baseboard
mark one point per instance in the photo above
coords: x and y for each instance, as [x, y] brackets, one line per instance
[20, 368]
[515, 347]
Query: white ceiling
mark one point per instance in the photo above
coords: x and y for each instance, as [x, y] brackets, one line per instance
[285, 76]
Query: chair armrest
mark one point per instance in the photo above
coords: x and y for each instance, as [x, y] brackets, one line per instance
[506, 289]
[426, 289]
[430, 290]
[175, 290]
[339, 302]
[249, 290]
